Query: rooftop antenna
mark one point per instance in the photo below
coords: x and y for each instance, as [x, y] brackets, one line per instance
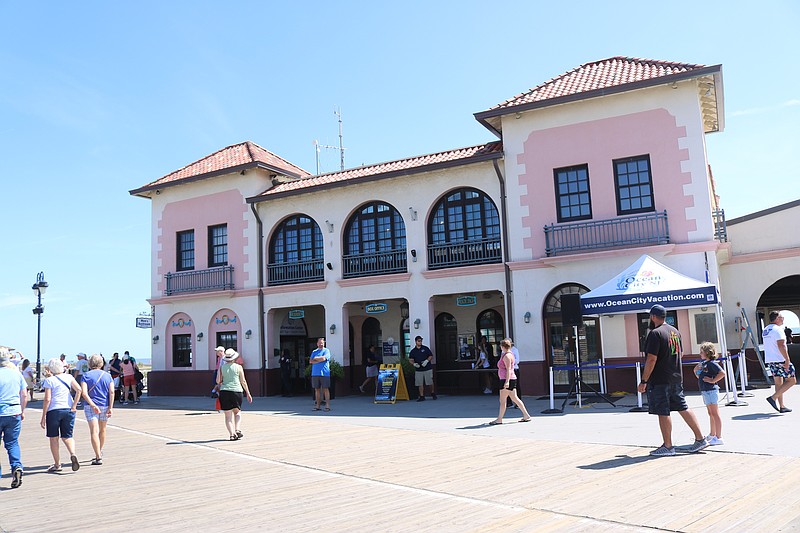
[318, 146]
[338, 113]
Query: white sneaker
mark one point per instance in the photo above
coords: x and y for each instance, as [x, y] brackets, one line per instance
[715, 441]
[487, 391]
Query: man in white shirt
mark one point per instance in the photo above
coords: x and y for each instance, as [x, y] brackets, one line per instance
[777, 358]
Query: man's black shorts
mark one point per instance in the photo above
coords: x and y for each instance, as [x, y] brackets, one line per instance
[662, 399]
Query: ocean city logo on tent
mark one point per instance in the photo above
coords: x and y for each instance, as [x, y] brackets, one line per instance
[638, 280]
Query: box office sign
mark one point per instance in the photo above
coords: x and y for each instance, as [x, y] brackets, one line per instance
[296, 314]
[376, 308]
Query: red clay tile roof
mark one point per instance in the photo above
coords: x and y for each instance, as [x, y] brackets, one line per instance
[599, 75]
[231, 158]
[596, 79]
[401, 167]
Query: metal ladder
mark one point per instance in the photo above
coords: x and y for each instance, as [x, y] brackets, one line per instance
[750, 338]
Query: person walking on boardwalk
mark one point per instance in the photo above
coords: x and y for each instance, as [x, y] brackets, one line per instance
[232, 383]
[98, 389]
[58, 412]
[663, 381]
[13, 400]
[709, 373]
[320, 360]
[776, 356]
[508, 384]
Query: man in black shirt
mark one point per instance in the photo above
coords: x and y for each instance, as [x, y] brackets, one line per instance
[422, 358]
[663, 381]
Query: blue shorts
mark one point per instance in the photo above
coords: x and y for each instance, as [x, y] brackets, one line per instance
[710, 397]
[60, 421]
[662, 399]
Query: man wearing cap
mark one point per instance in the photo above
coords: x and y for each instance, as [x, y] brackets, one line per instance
[776, 356]
[662, 379]
[13, 399]
[422, 358]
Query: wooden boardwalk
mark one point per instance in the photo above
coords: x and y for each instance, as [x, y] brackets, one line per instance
[169, 467]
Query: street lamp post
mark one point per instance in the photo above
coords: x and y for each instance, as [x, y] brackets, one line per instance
[39, 289]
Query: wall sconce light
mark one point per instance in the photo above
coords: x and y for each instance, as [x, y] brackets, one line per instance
[330, 226]
[248, 333]
[330, 266]
[413, 213]
[200, 336]
[527, 317]
[333, 329]
[414, 256]
[404, 310]
[417, 322]
[155, 339]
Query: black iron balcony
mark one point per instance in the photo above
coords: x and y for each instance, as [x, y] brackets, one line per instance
[720, 227]
[374, 264]
[648, 229]
[478, 252]
[210, 279]
[298, 272]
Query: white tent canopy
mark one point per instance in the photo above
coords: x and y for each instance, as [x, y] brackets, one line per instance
[644, 284]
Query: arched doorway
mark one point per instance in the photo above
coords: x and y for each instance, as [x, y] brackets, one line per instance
[490, 325]
[560, 340]
[371, 335]
[446, 329]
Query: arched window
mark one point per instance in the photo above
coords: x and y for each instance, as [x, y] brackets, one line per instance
[295, 252]
[375, 242]
[464, 230]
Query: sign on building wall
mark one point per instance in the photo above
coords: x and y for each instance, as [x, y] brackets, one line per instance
[466, 301]
[144, 322]
[296, 314]
[374, 309]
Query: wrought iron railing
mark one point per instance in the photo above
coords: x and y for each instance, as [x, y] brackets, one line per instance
[453, 254]
[210, 279]
[637, 230]
[374, 264]
[298, 272]
[720, 226]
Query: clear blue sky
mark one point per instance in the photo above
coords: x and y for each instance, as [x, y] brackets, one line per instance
[97, 98]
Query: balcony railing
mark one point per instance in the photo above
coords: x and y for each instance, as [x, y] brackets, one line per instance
[298, 272]
[374, 264]
[720, 227]
[211, 279]
[638, 230]
[478, 252]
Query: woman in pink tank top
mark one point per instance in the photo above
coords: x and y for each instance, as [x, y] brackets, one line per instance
[508, 384]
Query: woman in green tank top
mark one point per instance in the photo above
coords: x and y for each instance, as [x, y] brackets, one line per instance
[232, 383]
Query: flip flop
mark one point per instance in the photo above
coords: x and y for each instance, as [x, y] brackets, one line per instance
[75, 464]
[54, 468]
[317, 409]
[327, 408]
[525, 420]
[234, 437]
[239, 434]
[495, 423]
[97, 462]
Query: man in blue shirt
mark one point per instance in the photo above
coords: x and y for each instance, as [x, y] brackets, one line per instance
[13, 399]
[321, 374]
[422, 358]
